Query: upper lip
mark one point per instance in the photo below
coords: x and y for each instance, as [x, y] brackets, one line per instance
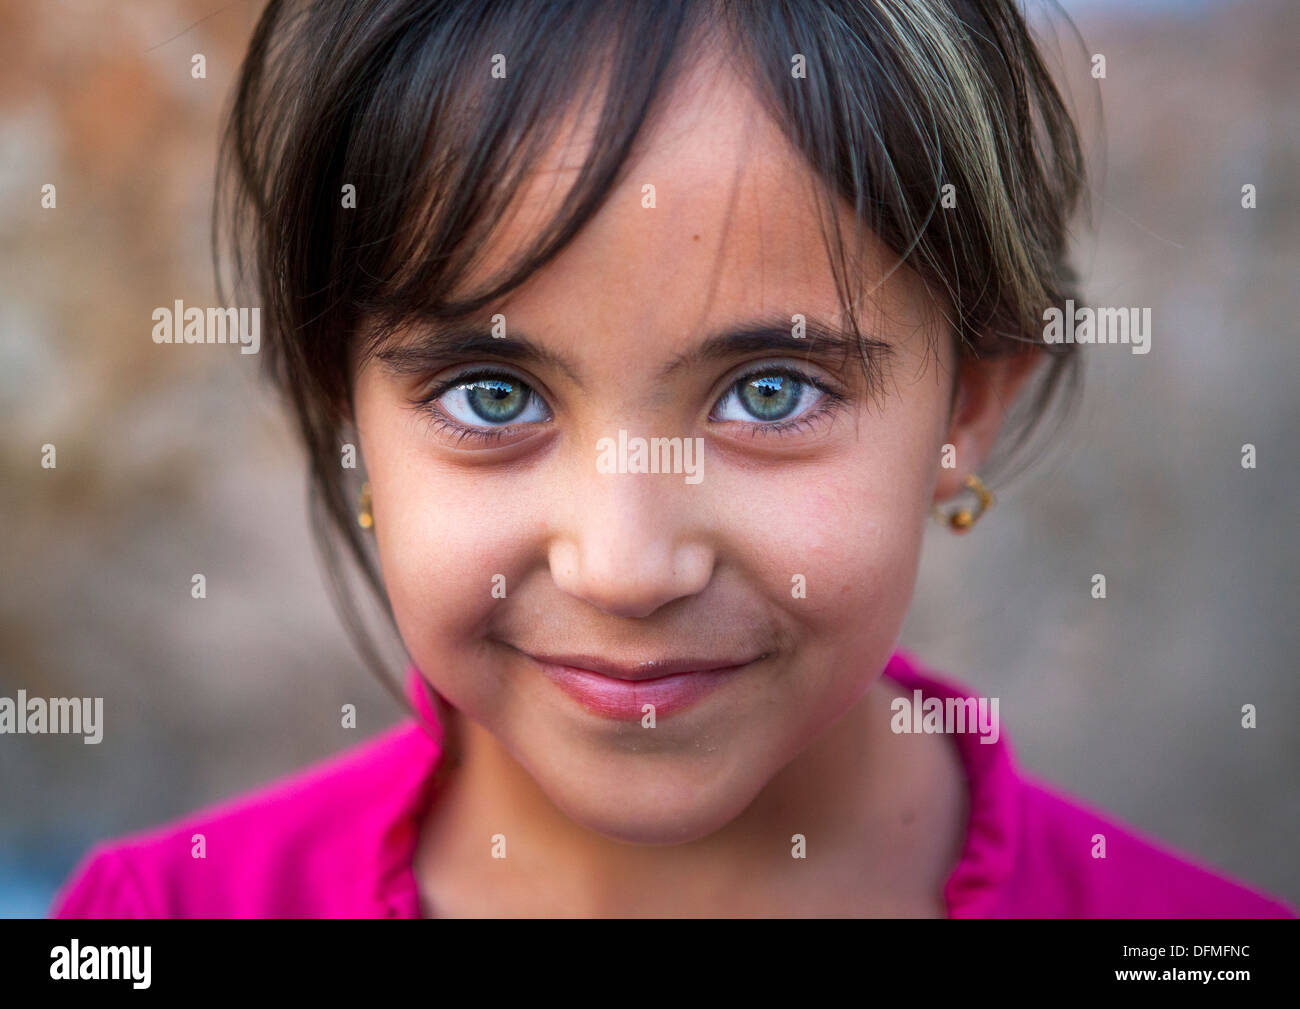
[649, 669]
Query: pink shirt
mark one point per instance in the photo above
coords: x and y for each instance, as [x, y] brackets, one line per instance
[338, 840]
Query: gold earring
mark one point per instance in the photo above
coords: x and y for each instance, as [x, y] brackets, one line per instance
[961, 520]
[365, 517]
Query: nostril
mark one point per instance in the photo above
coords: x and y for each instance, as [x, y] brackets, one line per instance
[631, 580]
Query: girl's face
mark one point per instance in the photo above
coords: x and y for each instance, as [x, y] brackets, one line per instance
[783, 552]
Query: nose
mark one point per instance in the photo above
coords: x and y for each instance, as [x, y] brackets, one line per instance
[630, 543]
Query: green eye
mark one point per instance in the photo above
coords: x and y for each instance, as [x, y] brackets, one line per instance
[770, 394]
[496, 400]
[489, 400]
[770, 397]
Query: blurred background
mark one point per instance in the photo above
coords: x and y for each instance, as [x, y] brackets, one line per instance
[176, 460]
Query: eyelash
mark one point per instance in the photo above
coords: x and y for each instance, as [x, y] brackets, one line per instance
[440, 421]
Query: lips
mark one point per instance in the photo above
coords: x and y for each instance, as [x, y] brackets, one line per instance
[622, 690]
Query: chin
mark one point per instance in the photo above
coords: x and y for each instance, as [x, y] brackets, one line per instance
[652, 825]
[657, 810]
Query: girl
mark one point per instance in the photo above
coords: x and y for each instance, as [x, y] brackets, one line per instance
[660, 328]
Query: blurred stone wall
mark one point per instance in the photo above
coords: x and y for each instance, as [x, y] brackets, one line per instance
[176, 460]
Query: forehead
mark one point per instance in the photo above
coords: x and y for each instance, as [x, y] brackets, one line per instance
[714, 218]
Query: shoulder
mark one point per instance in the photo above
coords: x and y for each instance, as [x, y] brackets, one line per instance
[305, 845]
[1074, 861]
[1034, 851]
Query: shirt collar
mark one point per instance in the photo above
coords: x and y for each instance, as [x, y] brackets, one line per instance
[989, 851]
[396, 892]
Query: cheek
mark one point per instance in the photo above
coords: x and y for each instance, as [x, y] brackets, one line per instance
[853, 524]
[854, 540]
[440, 544]
[854, 531]
[447, 556]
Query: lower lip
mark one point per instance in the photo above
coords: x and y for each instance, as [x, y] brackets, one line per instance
[614, 698]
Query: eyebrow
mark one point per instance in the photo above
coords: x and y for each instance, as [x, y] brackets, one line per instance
[821, 339]
[439, 345]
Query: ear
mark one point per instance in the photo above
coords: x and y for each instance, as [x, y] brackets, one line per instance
[986, 388]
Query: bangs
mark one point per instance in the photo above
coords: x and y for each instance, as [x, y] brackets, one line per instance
[437, 115]
[454, 177]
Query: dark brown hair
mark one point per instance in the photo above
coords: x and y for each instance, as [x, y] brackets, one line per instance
[899, 99]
